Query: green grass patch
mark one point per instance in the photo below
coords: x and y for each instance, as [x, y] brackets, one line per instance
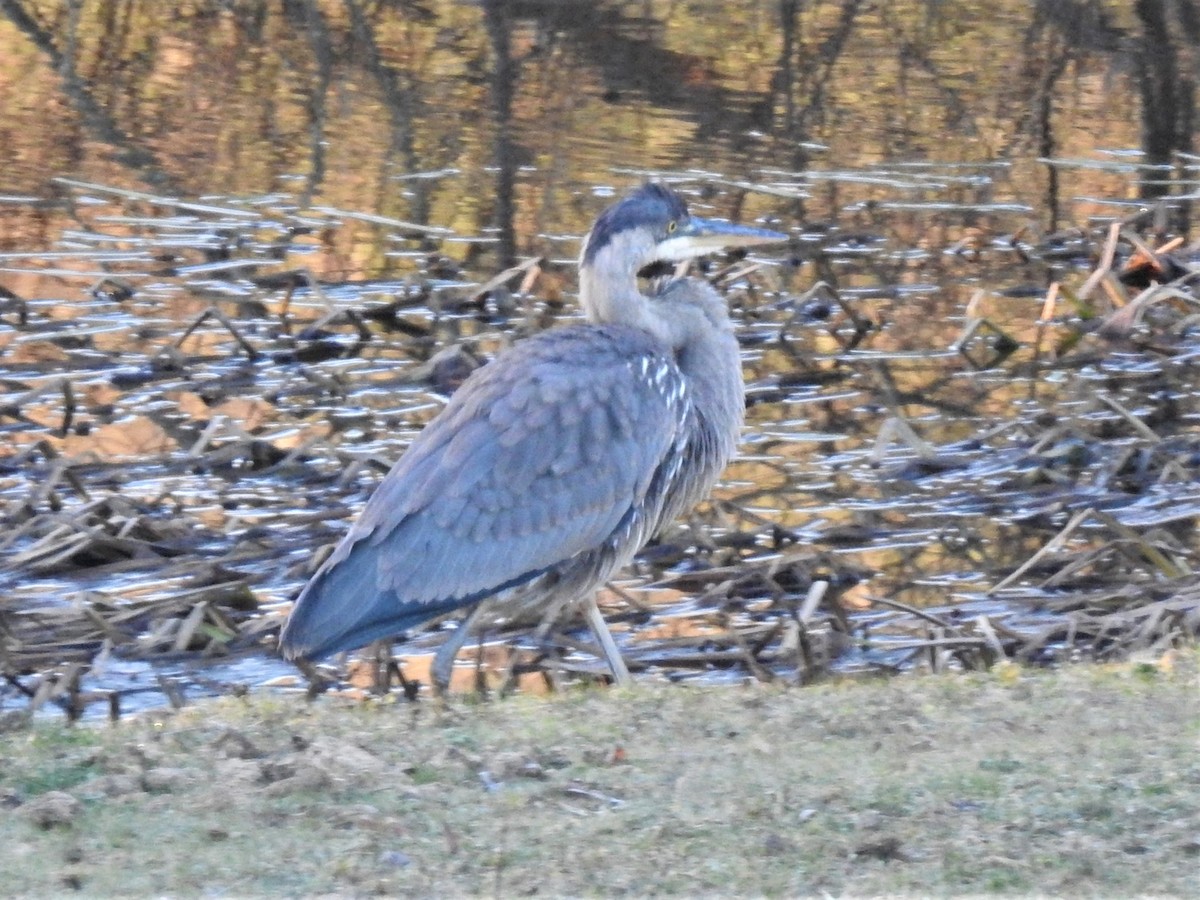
[1078, 781]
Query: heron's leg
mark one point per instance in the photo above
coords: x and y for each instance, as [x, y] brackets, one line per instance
[443, 661]
[612, 653]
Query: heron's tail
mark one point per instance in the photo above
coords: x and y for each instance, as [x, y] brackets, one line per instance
[337, 611]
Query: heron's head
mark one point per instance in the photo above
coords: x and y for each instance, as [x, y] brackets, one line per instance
[652, 224]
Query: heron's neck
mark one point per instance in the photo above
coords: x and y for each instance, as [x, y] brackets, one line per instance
[691, 321]
[612, 297]
[685, 312]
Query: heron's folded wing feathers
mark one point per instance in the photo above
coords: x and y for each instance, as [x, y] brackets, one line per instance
[538, 458]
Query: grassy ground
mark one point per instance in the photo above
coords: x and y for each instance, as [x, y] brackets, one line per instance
[1084, 781]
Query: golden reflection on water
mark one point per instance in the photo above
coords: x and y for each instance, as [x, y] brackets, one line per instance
[209, 104]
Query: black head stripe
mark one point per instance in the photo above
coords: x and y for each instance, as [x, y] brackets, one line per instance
[651, 205]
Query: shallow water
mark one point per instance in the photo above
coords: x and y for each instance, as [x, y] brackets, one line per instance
[894, 446]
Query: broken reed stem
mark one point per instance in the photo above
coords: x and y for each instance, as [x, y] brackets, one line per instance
[522, 268]
[1049, 304]
[210, 430]
[1152, 554]
[158, 199]
[912, 610]
[403, 225]
[1055, 542]
[1105, 264]
[989, 635]
[246, 346]
[896, 427]
[1141, 247]
[757, 669]
[1044, 320]
[1137, 424]
[68, 393]
[812, 600]
[196, 323]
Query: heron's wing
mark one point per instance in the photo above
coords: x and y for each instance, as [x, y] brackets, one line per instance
[539, 456]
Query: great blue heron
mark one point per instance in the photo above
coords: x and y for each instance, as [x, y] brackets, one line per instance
[554, 464]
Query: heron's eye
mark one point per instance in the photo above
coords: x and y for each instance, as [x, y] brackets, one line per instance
[671, 226]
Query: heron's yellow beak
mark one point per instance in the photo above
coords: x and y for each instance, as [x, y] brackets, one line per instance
[697, 237]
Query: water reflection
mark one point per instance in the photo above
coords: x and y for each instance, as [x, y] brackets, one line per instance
[232, 246]
[526, 100]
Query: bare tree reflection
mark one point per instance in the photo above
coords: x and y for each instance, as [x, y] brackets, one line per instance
[630, 57]
[94, 115]
[1167, 79]
[806, 69]
[498, 20]
[312, 21]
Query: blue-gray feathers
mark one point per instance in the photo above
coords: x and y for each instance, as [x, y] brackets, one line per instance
[650, 205]
[546, 461]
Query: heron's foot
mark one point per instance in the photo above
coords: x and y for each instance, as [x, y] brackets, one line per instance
[443, 661]
[410, 686]
[318, 682]
[442, 670]
[549, 646]
[445, 711]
